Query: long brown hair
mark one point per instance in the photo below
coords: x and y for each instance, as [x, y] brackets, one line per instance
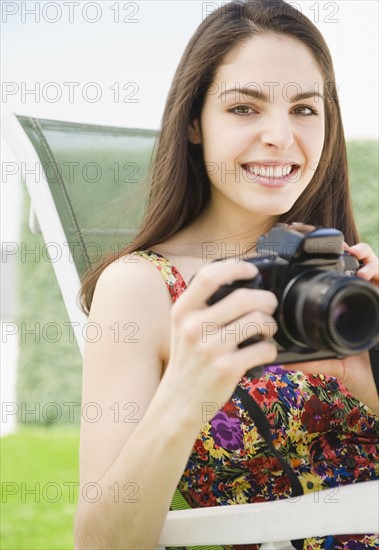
[178, 184]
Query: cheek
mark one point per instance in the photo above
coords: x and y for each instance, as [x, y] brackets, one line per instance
[221, 140]
[221, 146]
[222, 143]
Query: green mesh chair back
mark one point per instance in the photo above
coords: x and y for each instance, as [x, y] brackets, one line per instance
[95, 174]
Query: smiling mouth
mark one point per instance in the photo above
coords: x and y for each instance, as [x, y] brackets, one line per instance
[271, 175]
[270, 171]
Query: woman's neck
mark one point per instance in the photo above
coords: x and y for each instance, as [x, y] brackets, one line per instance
[215, 236]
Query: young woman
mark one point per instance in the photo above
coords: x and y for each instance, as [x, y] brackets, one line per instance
[251, 136]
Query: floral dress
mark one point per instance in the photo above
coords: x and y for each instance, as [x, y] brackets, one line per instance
[327, 436]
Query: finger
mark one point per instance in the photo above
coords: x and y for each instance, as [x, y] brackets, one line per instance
[364, 252]
[209, 279]
[370, 269]
[369, 272]
[241, 302]
[244, 359]
[258, 325]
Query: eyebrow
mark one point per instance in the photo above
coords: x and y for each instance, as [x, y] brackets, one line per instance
[255, 94]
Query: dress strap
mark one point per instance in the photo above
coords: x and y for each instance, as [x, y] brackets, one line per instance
[174, 281]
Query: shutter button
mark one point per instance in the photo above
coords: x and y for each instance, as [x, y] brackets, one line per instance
[333, 385]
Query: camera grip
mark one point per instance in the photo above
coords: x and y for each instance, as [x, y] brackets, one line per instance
[225, 290]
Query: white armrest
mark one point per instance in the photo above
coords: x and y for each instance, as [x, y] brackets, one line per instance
[342, 510]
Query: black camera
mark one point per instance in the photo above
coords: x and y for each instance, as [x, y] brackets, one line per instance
[324, 310]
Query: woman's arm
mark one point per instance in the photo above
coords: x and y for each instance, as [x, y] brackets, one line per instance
[135, 461]
[136, 490]
[135, 436]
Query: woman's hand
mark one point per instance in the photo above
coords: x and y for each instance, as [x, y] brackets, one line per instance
[205, 364]
[370, 269]
[354, 371]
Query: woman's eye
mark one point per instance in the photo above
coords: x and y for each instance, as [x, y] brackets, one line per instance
[304, 110]
[241, 110]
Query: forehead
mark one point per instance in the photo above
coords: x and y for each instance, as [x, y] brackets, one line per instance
[271, 59]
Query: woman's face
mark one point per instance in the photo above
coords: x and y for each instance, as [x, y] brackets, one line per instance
[252, 138]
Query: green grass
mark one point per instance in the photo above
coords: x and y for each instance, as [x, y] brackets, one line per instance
[43, 459]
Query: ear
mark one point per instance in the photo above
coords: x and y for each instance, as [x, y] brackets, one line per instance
[194, 132]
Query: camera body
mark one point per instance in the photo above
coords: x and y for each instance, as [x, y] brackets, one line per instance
[324, 310]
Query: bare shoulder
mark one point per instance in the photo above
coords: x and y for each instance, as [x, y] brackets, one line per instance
[133, 272]
[134, 283]
[122, 363]
[132, 290]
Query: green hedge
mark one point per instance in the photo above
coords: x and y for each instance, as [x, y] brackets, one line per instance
[48, 371]
[363, 168]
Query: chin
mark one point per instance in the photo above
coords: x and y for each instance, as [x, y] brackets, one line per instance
[271, 209]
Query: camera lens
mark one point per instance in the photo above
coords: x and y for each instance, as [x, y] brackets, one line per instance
[331, 311]
[342, 317]
[353, 316]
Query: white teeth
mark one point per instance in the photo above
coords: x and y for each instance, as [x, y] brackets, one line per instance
[270, 171]
[287, 170]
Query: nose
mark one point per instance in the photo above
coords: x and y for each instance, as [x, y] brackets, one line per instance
[277, 130]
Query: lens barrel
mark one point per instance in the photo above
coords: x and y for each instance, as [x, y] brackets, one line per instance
[327, 310]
